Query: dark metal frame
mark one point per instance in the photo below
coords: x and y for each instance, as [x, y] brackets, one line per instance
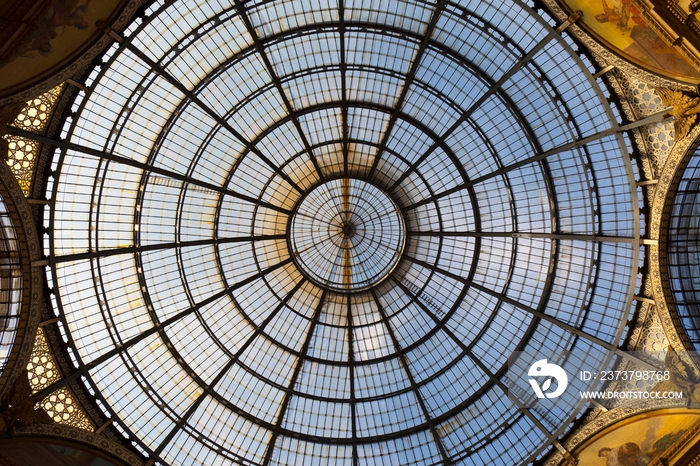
[345, 104]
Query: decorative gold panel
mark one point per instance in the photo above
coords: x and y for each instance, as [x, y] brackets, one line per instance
[61, 404]
[22, 152]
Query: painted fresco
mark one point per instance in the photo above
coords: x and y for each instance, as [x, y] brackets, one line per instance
[638, 440]
[619, 24]
[60, 35]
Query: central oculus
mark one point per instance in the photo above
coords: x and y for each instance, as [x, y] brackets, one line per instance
[346, 235]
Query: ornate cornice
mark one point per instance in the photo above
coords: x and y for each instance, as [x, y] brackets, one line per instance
[679, 449]
[660, 205]
[602, 421]
[78, 435]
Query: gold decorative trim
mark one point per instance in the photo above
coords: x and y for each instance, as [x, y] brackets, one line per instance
[22, 153]
[662, 196]
[61, 405]
[604, 420]
[673, 454]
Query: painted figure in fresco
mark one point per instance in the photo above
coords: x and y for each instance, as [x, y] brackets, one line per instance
[629, 10]
[647, 46]
[628, 454]
[609, 14]
[62, 15]
[620, 15]
[631, 453]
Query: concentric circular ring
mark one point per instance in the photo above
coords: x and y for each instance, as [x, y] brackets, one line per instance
[230, 232]
[347, 235]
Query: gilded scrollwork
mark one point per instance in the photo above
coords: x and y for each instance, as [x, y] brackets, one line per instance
[684, 109]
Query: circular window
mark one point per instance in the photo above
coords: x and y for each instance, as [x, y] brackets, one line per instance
[346, 235]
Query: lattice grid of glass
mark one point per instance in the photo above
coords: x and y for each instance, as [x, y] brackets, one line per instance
[683, 249]
[346, 235]
[10, 284]
[204, 133]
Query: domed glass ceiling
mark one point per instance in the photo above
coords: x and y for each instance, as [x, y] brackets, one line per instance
[300, 232]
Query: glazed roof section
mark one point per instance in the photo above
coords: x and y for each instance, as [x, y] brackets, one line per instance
[211, 120]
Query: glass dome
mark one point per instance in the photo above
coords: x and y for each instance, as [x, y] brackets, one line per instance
[309, 232]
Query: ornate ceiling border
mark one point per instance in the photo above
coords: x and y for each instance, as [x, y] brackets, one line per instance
[99, 442]
[602, 421]
[660, 206]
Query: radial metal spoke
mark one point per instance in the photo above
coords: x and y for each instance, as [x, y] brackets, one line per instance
[207, 109]
[480, 364]
[535, 158]
[466, 115]
[278, 84]
[505, 234]
[120, 348]
[161, 246]
[410, 77]
[351, 366]
[295, 375]
[412, 380]
[344, 89]
[222, 373]
[66, 145]
[613, 348]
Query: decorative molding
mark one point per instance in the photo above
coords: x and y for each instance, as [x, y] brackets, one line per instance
[638, 100]
[662, 197]
[79, 63]
[78, 435]
[674, 454]
[22, 152]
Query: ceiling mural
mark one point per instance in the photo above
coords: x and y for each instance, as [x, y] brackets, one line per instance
[59, 35]
[638, 440]
[620, 26]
